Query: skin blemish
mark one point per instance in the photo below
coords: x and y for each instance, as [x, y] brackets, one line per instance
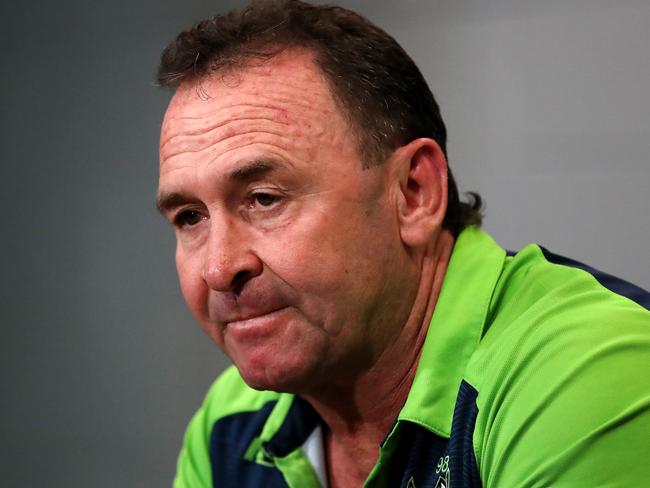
[283, 116]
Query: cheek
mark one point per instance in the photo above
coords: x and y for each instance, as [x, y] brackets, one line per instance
[308, 255]
[329, 259]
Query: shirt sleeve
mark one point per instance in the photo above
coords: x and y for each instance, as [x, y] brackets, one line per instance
[570, 406]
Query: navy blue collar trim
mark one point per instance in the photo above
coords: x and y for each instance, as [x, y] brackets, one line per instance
[300, 422]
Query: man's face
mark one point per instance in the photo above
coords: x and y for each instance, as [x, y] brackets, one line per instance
[288, 252]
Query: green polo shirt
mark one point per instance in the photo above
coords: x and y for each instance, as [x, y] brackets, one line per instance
[535, 372]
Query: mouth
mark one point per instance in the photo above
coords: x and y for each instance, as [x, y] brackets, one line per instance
[252, 317]
[257, 324]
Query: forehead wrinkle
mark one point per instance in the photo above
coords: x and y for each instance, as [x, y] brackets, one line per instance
[204, 135]
[274, 104]
[166, 171]
[265, 88]
[280, 106]
[232, 136]
[209, 121]
[199, 129]
[281, 156]
[215, 112]
[276, 97]
[234, 142]
[204, 124]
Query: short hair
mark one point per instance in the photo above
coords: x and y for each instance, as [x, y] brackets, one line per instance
[375, 83]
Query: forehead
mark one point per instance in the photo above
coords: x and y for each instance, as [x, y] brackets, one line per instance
[288, 91]
[289, 68]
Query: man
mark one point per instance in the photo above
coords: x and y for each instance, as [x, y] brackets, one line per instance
[377, 335]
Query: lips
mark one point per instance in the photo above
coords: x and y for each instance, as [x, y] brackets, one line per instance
[257, 329]
[227, 309]
[253, 317]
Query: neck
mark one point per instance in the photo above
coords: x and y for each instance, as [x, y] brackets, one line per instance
[359, 414]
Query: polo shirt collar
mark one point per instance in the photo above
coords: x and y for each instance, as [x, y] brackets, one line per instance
[455, 330]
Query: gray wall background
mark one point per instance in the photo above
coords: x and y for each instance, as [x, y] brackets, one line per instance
[101, 366]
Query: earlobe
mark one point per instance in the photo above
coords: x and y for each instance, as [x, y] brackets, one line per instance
[423, 191]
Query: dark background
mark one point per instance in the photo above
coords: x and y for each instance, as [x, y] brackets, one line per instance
[101, 366]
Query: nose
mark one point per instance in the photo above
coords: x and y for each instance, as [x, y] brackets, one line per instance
[229, 261]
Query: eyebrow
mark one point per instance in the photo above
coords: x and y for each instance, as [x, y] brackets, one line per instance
[254, 169]
[248, 172]
[167, 201]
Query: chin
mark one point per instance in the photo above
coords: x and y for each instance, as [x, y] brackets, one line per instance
[286, 362]
[277, 377]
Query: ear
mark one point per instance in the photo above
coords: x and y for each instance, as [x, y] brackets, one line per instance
[422, 197]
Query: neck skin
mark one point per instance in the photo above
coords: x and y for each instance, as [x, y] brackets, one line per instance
[359, 418]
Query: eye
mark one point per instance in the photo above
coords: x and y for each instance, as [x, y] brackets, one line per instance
[265, 200]
[187, 218]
